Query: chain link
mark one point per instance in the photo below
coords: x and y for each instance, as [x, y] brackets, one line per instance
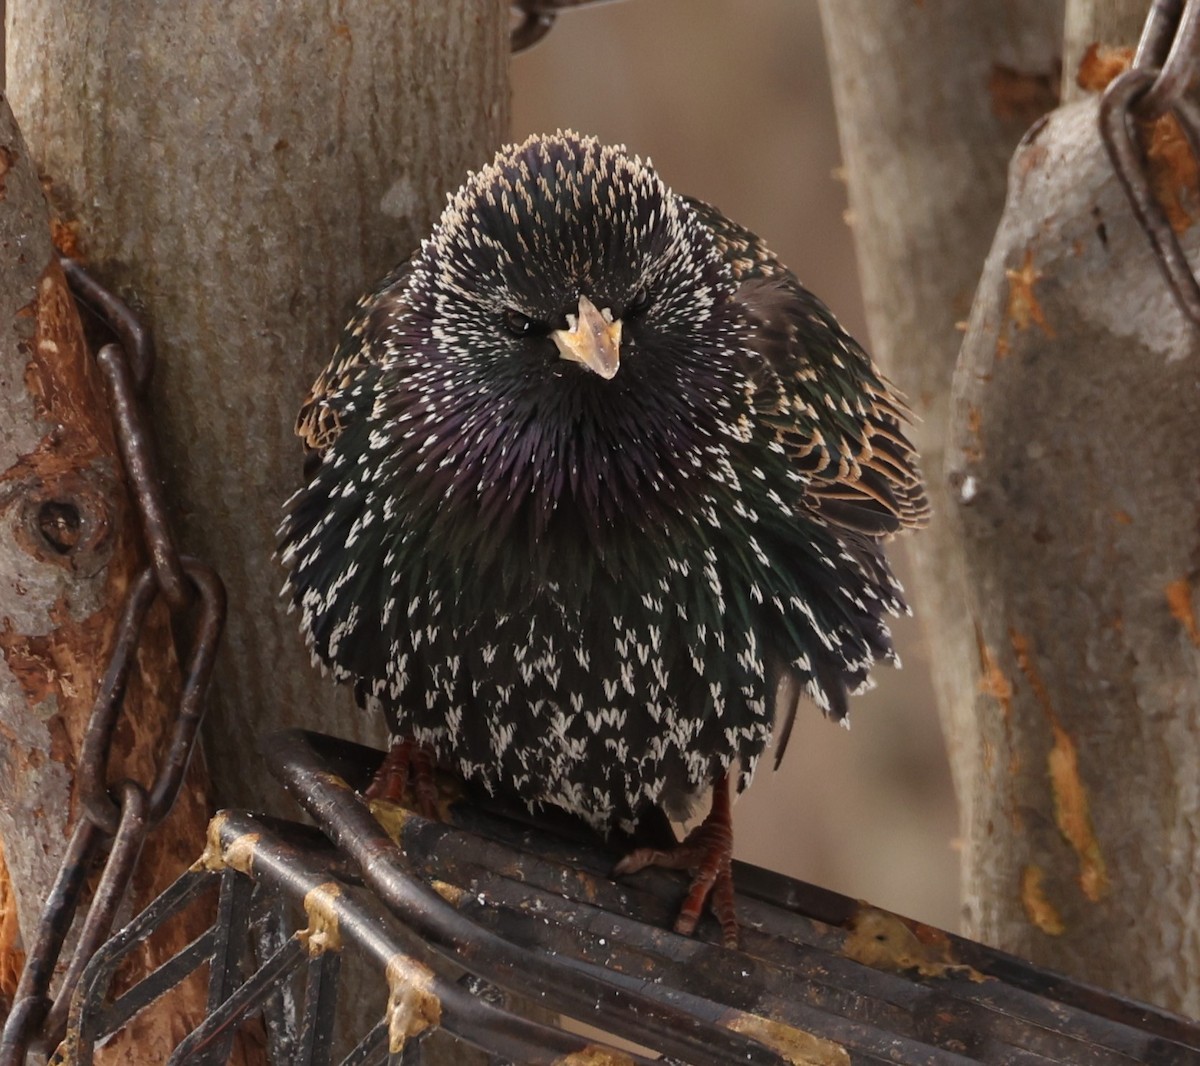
[1163, 72]
[117, 820]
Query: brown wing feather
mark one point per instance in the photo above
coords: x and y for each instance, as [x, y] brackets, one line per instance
[821, 398]
[319, 421]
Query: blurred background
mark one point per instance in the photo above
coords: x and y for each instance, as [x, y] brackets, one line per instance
[732, 101]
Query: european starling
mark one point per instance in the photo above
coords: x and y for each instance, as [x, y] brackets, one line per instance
[598, 491]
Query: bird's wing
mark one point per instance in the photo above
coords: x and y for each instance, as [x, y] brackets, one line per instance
[319, 422]
[819, 395]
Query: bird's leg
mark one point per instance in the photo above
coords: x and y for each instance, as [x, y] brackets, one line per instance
[406, 761]
[708, 851]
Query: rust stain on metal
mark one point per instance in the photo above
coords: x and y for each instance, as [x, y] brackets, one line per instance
[1070, 795]
[412, 1006]
[322, 933]
[1179, 600]
[595, 1056]
[795, 1045]
[1038, 909]
[885, 941]
[1024, 310]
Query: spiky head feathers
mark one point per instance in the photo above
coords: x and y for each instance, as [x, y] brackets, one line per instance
[554, 219]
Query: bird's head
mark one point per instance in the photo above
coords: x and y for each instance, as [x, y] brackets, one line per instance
[567, 257]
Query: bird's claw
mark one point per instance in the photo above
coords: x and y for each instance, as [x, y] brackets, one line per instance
[708, 851]
[406, 764]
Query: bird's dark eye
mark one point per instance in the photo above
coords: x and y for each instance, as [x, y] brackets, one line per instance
[520, 325]
[639, 303]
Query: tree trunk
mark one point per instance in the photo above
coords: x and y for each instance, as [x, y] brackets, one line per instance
[931, 101]
[1057, 583]
[243, 173]
[240, 174]
[69, 550]
[1075, 457]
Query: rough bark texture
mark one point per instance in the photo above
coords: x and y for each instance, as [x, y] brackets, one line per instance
[1075, 458]
[931, 100]
[1069, 676]
[69, 547]
[30, 587]
[243, 173]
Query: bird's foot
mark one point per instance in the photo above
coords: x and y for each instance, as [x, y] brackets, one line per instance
[406, 765]
[708, 852]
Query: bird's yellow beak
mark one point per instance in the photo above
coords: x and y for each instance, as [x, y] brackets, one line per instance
[592, 340]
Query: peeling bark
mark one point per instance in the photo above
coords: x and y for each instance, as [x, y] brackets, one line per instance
[240, 175]
[1074, 456]
[69, 548]
[244, 173]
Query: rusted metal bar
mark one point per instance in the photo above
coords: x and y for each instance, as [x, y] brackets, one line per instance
[210, 1041]
[468, 1017]
[1170, 45]
[137, 341]
[243, 852]
[820, 978]
[801, 981]
[644, 1015]
[869, 984]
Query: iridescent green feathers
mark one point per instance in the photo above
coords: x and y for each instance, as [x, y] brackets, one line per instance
[595, 591]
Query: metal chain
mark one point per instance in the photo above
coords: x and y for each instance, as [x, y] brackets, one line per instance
[536, 18]
[117, 819]
[1163, 72]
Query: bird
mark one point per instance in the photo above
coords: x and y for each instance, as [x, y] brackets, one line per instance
[597, 495]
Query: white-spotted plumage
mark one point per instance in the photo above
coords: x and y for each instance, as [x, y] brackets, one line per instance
[589, 592]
